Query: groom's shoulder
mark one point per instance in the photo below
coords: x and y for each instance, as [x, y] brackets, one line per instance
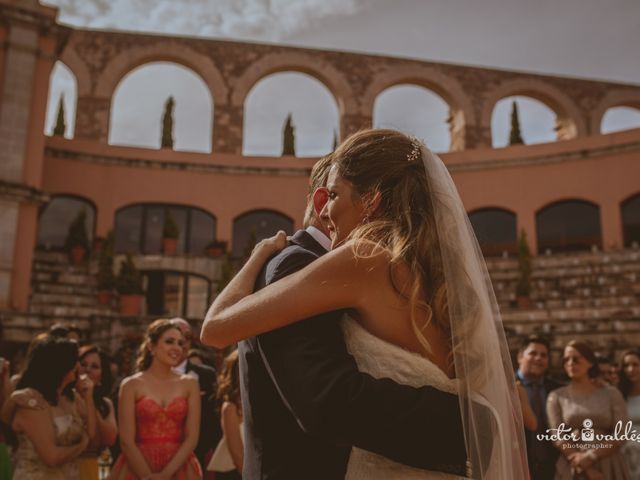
[292, 258]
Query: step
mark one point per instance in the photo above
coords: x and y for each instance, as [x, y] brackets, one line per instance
[89, 268]
[50, 257]
[65, 311]
[72, 299]
[60, 288]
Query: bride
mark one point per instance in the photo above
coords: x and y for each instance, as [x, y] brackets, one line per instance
[406, 266]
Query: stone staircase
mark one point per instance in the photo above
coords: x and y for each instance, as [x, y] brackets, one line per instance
[60, 292]
[592, 296]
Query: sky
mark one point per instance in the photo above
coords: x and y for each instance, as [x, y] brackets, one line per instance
[595, 39]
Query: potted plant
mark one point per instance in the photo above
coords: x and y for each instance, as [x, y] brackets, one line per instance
[216, 248]
[129, 286]
[77, 238]
[170, 234]
[106, 277]
[523, 288]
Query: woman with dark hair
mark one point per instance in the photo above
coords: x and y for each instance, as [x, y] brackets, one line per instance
[587, 406]
[159, 412]
[228, 456]
[630, 387]
[45, 413]
[95, 364]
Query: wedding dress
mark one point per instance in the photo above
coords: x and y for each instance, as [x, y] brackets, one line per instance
[381, 359]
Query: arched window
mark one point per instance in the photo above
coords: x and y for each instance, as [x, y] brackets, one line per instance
[139, 228]
[252, 227]
[62, 85]
[139, 102]
[495, 229]
[620, 118]
[568, 225]
[631, 220]
[176, 294]
[537, 121]
[56, 218]
[414, 110]
[313, 110]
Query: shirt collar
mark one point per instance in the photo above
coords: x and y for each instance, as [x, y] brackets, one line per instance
[318, 236]
[181, 368]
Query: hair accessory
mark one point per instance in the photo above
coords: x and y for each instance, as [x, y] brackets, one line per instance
[415, 151]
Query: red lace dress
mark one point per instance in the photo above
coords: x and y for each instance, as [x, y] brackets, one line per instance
[159, 434]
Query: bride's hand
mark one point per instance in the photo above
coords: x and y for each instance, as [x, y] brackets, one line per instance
[271, 245]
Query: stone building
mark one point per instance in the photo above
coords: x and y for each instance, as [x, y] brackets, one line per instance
[577, 199]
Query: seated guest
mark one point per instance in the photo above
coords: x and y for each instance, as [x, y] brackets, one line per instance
[630, 388]
[585, 404]
[533, 362]
[606, 370]
[50, 429]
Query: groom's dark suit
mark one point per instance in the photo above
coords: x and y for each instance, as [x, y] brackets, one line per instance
[305, 403]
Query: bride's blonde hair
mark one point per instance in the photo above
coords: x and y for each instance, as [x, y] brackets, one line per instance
[389, 164]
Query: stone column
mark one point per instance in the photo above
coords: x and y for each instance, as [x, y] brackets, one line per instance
[92, 118]
[30, 45]
[611, 223]
[526, 220]
[352, 122]
[228, 124]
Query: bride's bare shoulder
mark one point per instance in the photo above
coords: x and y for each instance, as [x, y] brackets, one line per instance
[362, 254]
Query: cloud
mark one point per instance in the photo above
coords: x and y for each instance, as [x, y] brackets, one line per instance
[260, 19]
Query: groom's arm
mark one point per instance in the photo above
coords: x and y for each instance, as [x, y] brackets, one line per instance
[320, 383]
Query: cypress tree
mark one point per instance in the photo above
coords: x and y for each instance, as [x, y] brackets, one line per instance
[288, 134]
[167, 124]
[515, 137]
[60, 128]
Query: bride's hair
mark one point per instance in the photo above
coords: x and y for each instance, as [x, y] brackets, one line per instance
[390, 164]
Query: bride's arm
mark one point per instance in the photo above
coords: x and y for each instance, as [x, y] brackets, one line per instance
[333, 282]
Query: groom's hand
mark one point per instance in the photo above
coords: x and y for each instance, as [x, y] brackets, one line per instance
[271, 245]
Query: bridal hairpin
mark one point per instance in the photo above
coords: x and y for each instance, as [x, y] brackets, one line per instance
[415, 151]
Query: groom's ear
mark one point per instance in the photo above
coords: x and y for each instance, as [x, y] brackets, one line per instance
[320, 199]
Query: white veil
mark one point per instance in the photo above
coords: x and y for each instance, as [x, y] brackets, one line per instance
[495, 442]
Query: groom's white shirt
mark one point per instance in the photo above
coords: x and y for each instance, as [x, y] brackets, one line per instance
[318, 236]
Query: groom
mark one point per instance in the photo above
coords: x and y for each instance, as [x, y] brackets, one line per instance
[305, 403]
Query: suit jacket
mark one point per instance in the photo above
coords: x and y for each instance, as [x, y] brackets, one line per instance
[545, 467]
[210, 429]
[305, 403]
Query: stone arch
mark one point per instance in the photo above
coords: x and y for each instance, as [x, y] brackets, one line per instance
[162, 51]
[59, 87]
[614, 98]
[251, 223]
[569, 224]
[630, 213]
[79, 68]
[495, 229]
[570, 122]
[313, 66]
[448, 88]
[56, 216]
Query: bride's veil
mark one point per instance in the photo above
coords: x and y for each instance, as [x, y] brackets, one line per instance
[491, 414]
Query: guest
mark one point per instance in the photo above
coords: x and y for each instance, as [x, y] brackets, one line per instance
[95, 364]
[50, 429]
[159, 412]
[533, 362]
[210, 432]
[607, 371]
[195, 357]
[614, 374]
[630, 388]
[61, 330]
[585, 404]
[228, 457]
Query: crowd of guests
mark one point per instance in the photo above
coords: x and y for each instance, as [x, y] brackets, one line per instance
[594, 397]
[65, 414]
[174, 418]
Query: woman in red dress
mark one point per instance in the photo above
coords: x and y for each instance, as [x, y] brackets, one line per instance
[159, 413]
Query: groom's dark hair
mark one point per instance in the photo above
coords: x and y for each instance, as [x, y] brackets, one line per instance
[317, 179]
